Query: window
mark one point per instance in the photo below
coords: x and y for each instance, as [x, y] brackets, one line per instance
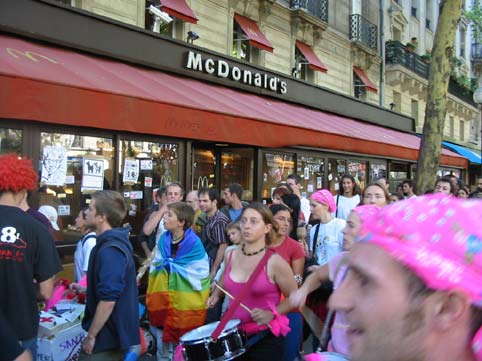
[203, 169]
[414, 9]
[358, 170]
[462, 130]
[414, 111]
[10, 141]
[72, 167]
[144, 167]
[242, 49]
[397, 101]
[378, 171]
[462, 43]
[302, 69]
[359, 89]
[451, 127]
[276, 168]
[336, 169]
[397, 34]
[398, 173]
[429, 15]
[237, 166]
[311, 171]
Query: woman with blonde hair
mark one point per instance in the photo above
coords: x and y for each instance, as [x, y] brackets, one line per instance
[376, 194]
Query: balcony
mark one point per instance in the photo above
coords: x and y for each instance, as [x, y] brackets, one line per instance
[476, 52]
[396, 54]
[316, 8]
[363, 31]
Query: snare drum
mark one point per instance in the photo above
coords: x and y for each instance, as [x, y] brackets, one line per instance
[197, 345]
[325, 356]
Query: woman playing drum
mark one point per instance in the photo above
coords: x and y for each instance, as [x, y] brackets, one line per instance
[263, 297]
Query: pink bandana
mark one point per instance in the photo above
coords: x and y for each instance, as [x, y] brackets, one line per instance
[324, 196]
[439, 238]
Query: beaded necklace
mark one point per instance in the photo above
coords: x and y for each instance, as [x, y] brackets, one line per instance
[252, 253]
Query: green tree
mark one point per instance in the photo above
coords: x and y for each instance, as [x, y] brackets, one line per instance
[475, 18]
[438, 81]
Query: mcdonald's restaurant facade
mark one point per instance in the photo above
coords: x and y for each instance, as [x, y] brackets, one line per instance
[98, 104]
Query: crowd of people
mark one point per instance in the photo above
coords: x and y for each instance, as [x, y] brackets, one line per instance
[404, 271]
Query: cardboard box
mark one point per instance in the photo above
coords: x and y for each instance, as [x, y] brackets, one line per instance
[63, 346]
[50, 324]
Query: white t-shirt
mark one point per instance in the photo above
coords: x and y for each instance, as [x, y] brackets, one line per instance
[82, 254]
[329, 240]
[345, 205]
[160, 229]
[305, 208]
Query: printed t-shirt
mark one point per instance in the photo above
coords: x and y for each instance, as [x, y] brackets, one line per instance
[27, 252]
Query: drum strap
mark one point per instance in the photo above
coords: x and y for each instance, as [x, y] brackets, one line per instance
[229, 313]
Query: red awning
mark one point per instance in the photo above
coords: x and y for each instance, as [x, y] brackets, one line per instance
[363, 77]
[49, 84]
[179, 9]
[311, 58]
[254, 34]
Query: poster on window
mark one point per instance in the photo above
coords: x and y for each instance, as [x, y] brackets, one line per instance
[146, 164]
[54, 165]
[92, 173]
[131, 171]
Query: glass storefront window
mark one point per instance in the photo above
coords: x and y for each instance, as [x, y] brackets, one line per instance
[358, 170]
[398, 173]
[449, 172]
[143, 168]
[276, 168]
[237, 166]
[336, 169]
[377, 171]
[203, 169]
[71, 167]
[311, 171]
[10, 141]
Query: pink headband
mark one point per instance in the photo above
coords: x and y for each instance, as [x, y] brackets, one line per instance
[439, 238]
[324, 196]
[367, 210]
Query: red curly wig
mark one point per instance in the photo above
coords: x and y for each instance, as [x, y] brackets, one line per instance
[17, 174]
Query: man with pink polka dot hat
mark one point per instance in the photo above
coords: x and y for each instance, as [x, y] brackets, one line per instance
[413, 291]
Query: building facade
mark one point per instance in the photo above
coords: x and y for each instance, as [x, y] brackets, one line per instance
[410, 28]
[220, 92]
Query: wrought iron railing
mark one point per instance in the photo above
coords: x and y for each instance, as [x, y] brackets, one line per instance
[396, 53]
[476, 51]
[461, 92]
[317, 8]
[363, 31]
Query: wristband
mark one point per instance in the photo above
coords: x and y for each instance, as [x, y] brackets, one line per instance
[299, 279]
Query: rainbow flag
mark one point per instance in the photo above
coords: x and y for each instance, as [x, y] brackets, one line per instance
[178, 287]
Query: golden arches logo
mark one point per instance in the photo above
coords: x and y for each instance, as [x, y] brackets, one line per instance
[35, 57]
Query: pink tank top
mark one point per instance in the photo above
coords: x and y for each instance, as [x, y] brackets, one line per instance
[263, 293]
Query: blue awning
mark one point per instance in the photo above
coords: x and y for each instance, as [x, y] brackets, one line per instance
[472, 155]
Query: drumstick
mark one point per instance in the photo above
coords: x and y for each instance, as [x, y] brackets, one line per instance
[232, 298]
[145, 265]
